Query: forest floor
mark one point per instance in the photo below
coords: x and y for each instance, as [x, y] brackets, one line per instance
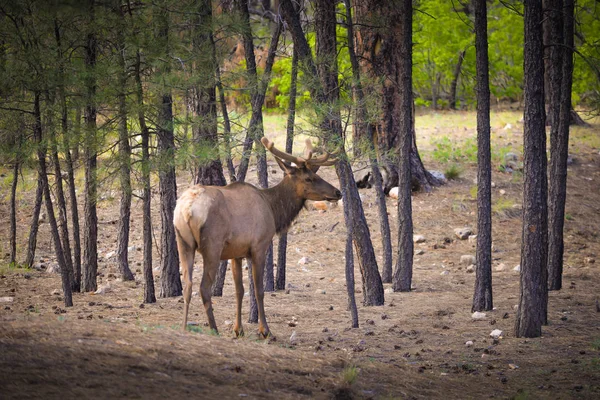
[112, 346]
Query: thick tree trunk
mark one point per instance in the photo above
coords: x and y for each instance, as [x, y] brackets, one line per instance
[349, 272]
[532, 311]
[170, 282]
[363, 125]
[125, 167]
[289, 144]
[90, 228]
[35, 223]
[559, 151]
[13, 214]
[455, 77]
[41, 153]
[482, 298]
[402, 59]
[149, 293]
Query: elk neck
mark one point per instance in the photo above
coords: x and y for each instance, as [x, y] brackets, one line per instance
[285, 203]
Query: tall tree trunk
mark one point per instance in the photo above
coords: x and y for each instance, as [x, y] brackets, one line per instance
[170, 282]
[455, 76]
[482, 298]
[35, 223]
[90, 228]
[349, 270]
[364, 125]
[532, 311]
[559, 151]
[75, 261]
[149, 294]
[289, 144]
[13, 213]
[402, 30]
[41, 153]
[325, 92]
[124, 161]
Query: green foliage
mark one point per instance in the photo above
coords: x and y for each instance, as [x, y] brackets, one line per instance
[452, 172]
[349, 375]
[447, 150]
[596, 344]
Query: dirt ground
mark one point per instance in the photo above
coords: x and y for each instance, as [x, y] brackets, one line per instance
[112, 346]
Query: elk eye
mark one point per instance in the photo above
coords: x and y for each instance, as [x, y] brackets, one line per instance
[308, 179]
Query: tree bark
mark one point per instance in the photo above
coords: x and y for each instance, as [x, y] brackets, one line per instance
[402, 31]
[124, 162]
[170, 282]
[90, 228]
[13, 213]
[41, 153]
[482, 298]
[149, 293]
[559, 151]
[35, 223]
[455, 77]
[532, 311]
[289, 144]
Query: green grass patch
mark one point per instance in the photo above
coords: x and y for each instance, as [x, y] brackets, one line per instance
[596, 344]
[452, 172]
[349, 375]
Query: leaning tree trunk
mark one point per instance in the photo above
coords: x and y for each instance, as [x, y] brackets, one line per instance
[559, 151]
[90, 228]
[41, 153]
[363, 125]
[289, 144]
[13, 213]
[149, 294]
[533, 296]
[325, 92]
[455, 77]
[35, 223]
[170, 282]
[401, 28]
[124, 165]
[482, 298]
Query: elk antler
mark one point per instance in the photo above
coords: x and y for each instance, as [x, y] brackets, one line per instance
[308, 160]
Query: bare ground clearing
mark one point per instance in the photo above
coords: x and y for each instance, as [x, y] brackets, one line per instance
[110, 346]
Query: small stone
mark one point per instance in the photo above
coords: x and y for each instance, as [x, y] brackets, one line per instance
[511, 157]
[505, 316]
[517, 268]
[470, 269]
[418, 238]
[500, 267]
[496, 334]
[110, 254]
[469, 343]
[330, 308]
[394, 193]
[103, 289]
[472, 238]
[6, 299]
[478, 315]
[370, 322]
[463, 233]
[467, 259]
[304, 260]
[502, 192]
[445, 272]
[389, 290]
[589, 260]
[513, 366]
[419, 252]
[320, 291]
[293, 337]
[56, 292]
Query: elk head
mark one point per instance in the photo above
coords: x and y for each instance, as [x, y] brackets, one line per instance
[303, 175]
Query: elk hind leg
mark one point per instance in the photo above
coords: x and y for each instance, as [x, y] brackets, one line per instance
[211, 264]
[186, 262]
[236, 269]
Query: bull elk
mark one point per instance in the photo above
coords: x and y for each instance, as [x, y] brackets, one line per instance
[239, 221]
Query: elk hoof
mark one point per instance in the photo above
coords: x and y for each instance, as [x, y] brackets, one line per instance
[267, 335]
[239, 333]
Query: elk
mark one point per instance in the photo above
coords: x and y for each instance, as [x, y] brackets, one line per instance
[239, 221]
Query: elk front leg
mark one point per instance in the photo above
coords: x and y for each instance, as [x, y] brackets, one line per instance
[236, 269]
[211, 263]
[258, 271]
[186, 262]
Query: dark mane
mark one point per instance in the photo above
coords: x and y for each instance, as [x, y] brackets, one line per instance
[285, 204]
